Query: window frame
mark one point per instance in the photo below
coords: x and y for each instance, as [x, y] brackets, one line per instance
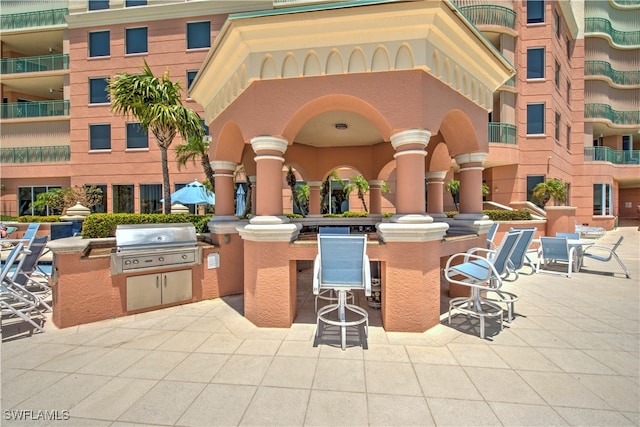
[557, 22]
[558, 122]
[102, 206]
[135, 3]
[189, 35]
[122, 206]
[557, 73]
[90, 43]
[605, 195]
[92, 95]
[150, 203]
[543, 123]
[130, 139]
[91, 136]
[535, 19]
[190, 80]
[541, 57]
[34, 191]
[128, 32]
[98, 5]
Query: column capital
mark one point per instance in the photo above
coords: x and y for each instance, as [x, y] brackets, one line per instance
[478, 157]
[376, 183]
[314, 183]
[223, 165]
[435, 175]
[269, 143]
[252, 179]
[410, 136]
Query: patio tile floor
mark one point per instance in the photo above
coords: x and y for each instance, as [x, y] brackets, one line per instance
[570, 357]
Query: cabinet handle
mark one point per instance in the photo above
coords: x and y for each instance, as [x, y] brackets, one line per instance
[165, 281]
[157, 282]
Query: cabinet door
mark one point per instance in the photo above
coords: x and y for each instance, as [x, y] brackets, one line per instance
[143, 291]
[176, 286]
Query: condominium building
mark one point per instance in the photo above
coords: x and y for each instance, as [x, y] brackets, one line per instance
[570, 111]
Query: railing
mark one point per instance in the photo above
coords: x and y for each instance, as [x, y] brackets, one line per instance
[606, 154]
[18, 110]
[502, 133]
[601, 25]
[627, 2]
[603, 68]
[32, 64]
[41, 18]
[604, 111]
[54, 153]
[511, 82]
[489, 14]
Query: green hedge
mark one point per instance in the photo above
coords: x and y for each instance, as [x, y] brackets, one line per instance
[35, 218]
[104, 225]
[500, 215]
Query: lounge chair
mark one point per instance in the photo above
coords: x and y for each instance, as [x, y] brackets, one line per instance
[586, 231]
[555, 250]
[605, 254]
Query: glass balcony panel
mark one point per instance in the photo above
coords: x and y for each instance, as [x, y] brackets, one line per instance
[622, 38]
[47, 154]
[603, 68]
[604, 111]
[18, 110]
[32, 64]
[502, 133]
[489, 14]
[606, 154]
[40, 18]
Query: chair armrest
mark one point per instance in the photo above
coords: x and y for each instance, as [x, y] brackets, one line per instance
[316, 275]
[483, 283]
[367, 276]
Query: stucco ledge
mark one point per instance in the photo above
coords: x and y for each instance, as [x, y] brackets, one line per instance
[269, 232]
[398, 232]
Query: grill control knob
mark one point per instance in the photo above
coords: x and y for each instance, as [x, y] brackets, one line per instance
[161, 258]
[127, 262]
[184, 256]
[135, 261]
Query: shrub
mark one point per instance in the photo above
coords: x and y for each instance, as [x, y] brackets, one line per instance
[104, 225]
[35, 218]
[501, 215]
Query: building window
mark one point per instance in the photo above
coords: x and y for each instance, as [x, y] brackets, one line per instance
[136, 40]
[134, 3]
[122, 198]
[568, 137]
[98, 91]
[558, 119]
[191, 75]
[557, 75]
[532, 181]
[602, 199]
[556, 22]
[535, 119]
[150, 195]
[100, 137]
[28, 195]
[535, 63]
[198, 35]
[98, 4]
[535, 11]
[101, 206]
[568, 42]
[206, 128]
[568, 92]
[137, 137]
[99, 44]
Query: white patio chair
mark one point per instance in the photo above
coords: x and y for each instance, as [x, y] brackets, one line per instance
[555, 251]
[329, 294]
[482, 275]
[491, 235]
[26, 277]
[342, 265]
[586, 231]
[605, 254]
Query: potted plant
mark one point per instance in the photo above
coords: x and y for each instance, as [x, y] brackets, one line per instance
[551, 189]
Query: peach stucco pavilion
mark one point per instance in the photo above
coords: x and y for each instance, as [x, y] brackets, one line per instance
[413, 82]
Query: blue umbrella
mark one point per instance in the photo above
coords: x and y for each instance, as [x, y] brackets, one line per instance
[240, 202]
[193, 193]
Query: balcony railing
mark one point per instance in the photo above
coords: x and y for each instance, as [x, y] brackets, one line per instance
[19, 110]
[489, 14]
[606, 154]
[627, 2]
[601, 25]
[33, 64]
[511, 82]
[54, 153]
[604, 111]
[502, 133]
[603, 68]
[40, 18]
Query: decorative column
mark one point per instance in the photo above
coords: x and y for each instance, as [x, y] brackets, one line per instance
[471, 219]
[314, 198]
[375, 196]
[411, 274]
[435, 191]
[223, 175]
[269, 276]
[254, 190]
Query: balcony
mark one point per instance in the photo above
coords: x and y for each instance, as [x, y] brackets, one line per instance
[606, 154]
[21, 110]
[41, 18]
[621, 38]
[604, 111]
[54, 153]
[34, 64]
[488, 14]
[502, 133]
[603, 68]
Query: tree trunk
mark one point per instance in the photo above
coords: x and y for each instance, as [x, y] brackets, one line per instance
[208, 171]
[166, 189]
[361, 197]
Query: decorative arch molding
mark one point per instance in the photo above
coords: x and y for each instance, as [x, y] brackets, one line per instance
[380, 60]
[269, 69]
[357, 61]
[312, 65]
[334, 62]
[230, 144]
[404, 58]
[458, 133]
[290, 66]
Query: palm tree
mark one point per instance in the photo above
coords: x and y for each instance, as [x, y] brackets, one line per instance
[360, 184]
[453, 187]
[196, 148]
[548, 190]
[156, 104]
[291, 181]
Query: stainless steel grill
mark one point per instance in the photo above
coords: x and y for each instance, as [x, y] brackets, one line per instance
[142, 247]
